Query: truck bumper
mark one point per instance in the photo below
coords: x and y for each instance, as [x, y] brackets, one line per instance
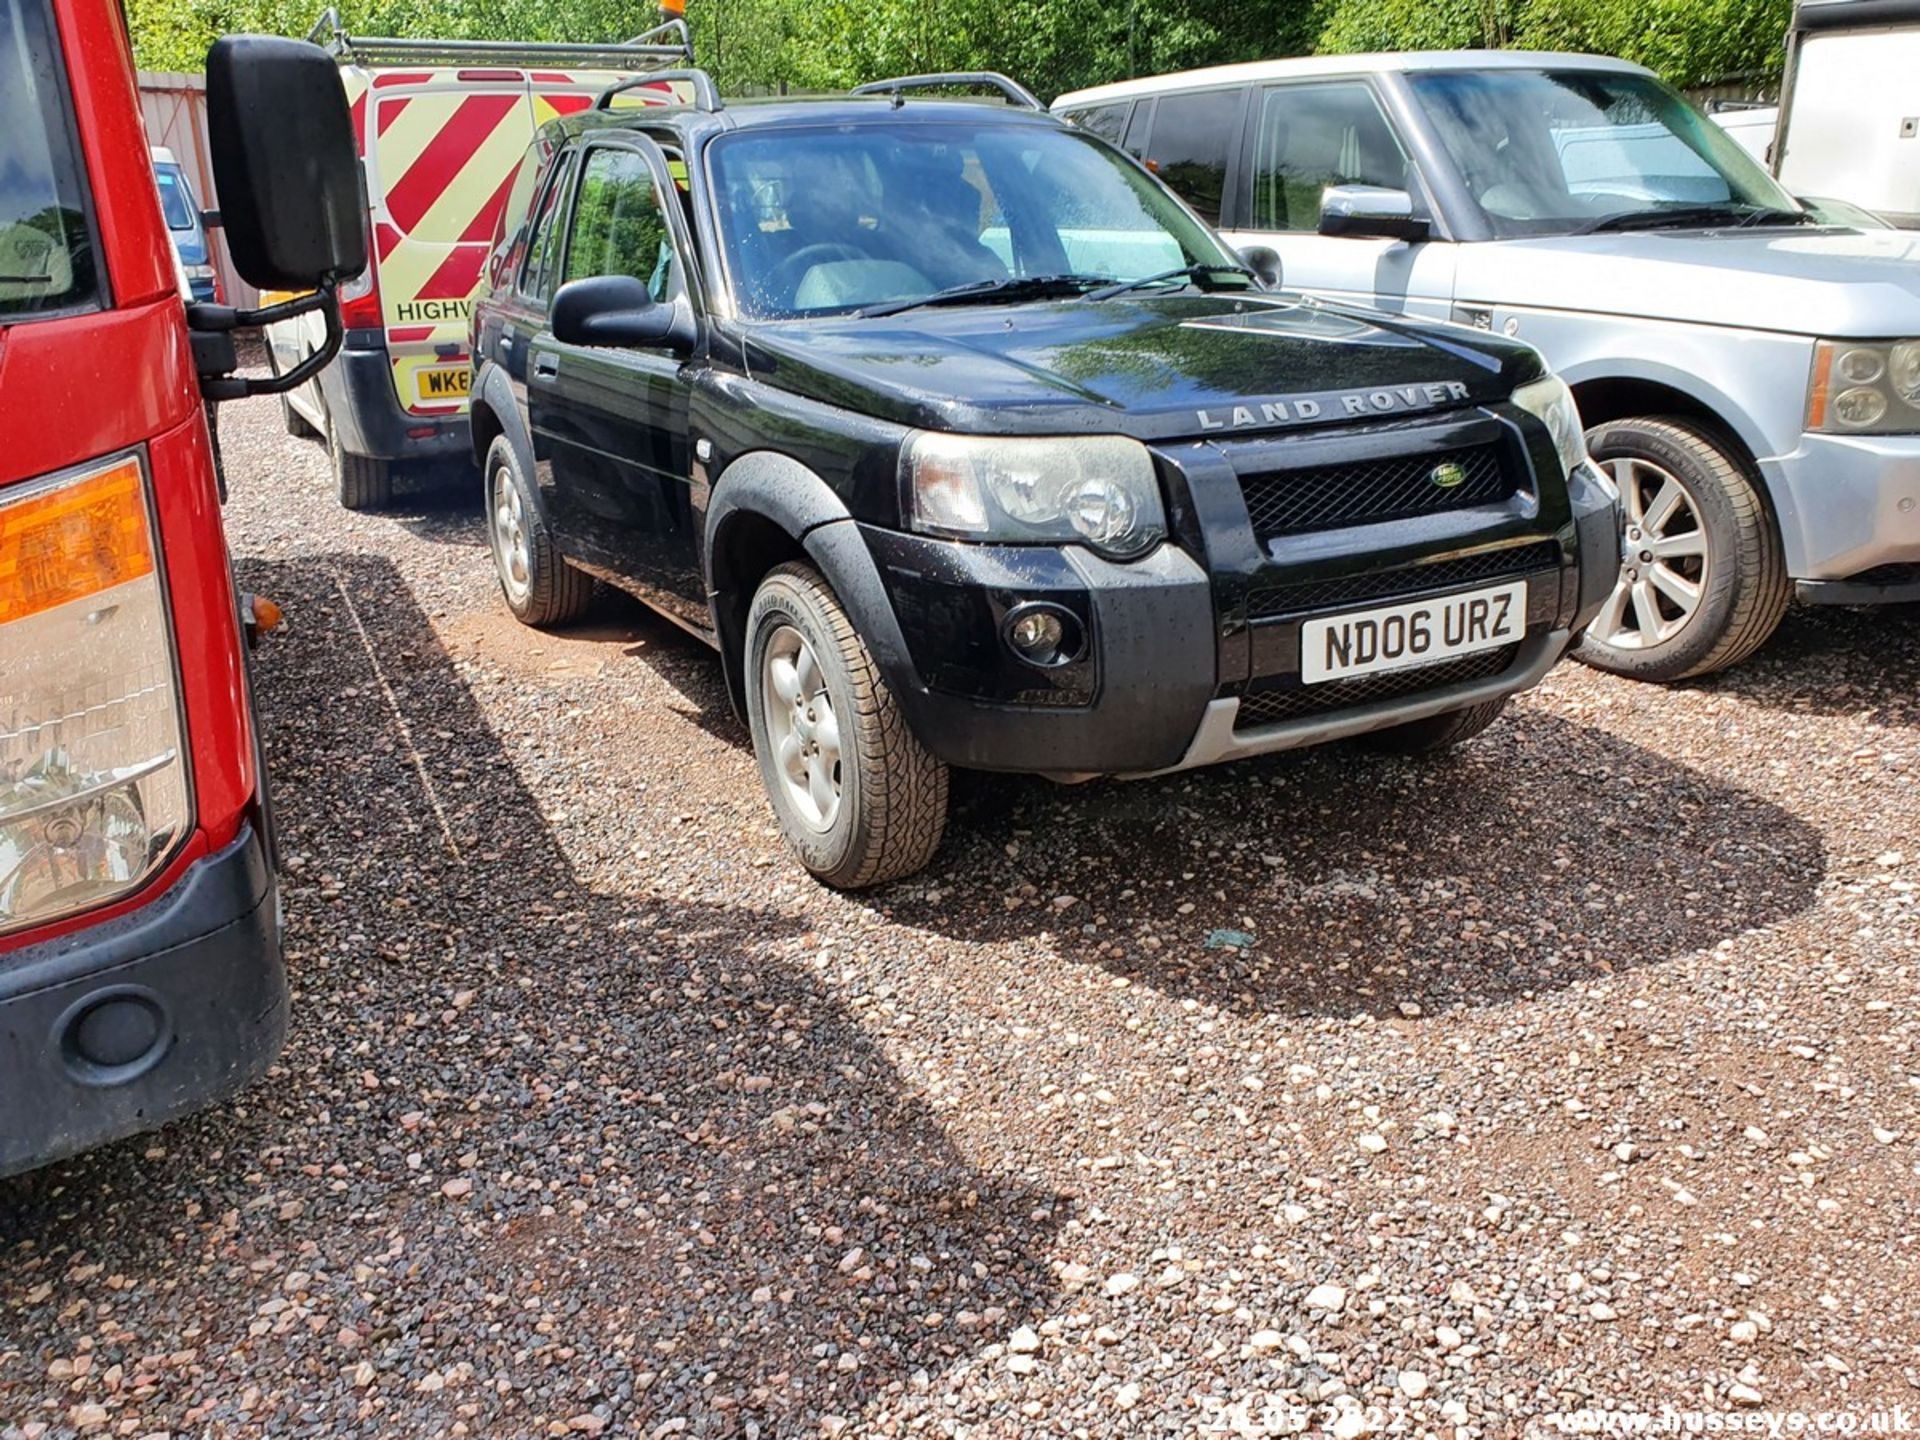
[1857, 503]
[117, 1029]
[366, 412]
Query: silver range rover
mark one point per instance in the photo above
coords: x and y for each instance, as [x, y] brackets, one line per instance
[1748, 372]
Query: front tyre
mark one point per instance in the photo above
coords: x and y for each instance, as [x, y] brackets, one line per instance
[858, 797]
[1703, 582]
[539, 585]
[1436, 732]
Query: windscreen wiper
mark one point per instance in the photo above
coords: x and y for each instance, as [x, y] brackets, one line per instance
[1013, 287]
[1193, 274]
[1773, 215]
[1662, 217]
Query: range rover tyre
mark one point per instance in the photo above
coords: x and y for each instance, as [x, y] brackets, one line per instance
[1703, 582]
[858, 797]
[541, 587]
[1436, 732]
[364, 482]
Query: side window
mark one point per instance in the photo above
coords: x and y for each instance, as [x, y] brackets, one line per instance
[619, 227]
[1311, 136]
[543, 240]
[1192, 136]
[510, 236]
[1135, 141]
[1109, 122]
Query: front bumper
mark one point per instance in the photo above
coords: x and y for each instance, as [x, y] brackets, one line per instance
[366, 412]
[1185, 664]
[1851, 504]
[119, 1028]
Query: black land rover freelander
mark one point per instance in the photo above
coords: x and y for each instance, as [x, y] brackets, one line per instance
[965, 443]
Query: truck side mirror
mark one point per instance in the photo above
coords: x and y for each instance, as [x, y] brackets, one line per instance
[613, 310]
[1372, 211]
[285, 163]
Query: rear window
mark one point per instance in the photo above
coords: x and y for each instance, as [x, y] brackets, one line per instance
[176, 202]
[46, 257]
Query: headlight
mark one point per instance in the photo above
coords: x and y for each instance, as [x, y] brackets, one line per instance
[1096, 490]
[1865, 387]
[200, 272]
[93, 783]
[1550, 402]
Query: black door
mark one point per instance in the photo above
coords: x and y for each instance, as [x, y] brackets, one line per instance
[613, 420]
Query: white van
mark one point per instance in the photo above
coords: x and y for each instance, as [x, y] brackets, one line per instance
[1850, 105]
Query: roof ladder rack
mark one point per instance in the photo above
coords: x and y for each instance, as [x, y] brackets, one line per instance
[1013, 90]
[666, 43]
[706, 95]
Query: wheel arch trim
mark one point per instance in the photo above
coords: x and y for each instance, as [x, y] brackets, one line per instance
[776, 489]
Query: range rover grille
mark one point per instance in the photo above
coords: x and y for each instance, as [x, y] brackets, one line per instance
[1327, 497]
[1270, 600]
[1293, 701]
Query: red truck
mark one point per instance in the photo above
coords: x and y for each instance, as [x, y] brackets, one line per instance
[140, 959]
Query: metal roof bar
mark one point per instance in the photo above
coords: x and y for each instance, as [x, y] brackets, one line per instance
[706, 95]
[667, 42]
[1013, 90]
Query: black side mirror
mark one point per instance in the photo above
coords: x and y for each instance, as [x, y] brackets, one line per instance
[1264, 261]
[613, 310]
[1370, 211]
[284, 162]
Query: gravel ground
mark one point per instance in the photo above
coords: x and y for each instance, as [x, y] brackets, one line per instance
[1577, 1069]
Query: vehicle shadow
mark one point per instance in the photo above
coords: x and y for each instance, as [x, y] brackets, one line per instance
[567, 1143]
[1830, 661]
[1335, 881]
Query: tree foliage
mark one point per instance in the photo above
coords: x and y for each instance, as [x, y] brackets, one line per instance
[1049, 45]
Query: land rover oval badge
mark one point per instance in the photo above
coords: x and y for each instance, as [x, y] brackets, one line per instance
[1448, 475]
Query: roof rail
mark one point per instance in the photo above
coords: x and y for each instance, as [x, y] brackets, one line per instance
[1013, 90]
[663, 43]
[706, 95]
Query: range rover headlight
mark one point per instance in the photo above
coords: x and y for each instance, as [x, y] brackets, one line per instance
[93, 782]
[1865, 387]
[1550, 402]
[1095, 490]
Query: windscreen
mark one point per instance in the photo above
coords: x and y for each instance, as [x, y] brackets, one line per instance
[1554, 152]
[46, 260]
[820, 221]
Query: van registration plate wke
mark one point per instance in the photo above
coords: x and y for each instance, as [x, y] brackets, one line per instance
[1419, 632]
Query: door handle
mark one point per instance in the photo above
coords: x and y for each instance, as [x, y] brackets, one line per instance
[546, 367]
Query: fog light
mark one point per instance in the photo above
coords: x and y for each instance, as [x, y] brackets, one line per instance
[1043, 635]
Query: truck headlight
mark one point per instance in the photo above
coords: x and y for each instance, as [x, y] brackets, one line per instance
[1865, 387]
[93, 782]
[1550, 402]
[1095, 490]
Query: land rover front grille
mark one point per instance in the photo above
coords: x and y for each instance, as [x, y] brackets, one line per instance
[1327, 497]
[1270, 600]
[1293, 701]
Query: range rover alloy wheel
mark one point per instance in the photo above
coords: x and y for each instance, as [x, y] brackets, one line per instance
[538, 583]
[1703, 582]
[856, 794]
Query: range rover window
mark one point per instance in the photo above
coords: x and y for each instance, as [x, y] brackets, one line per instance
[1554, 153]
[1192, 137]
[815, 220]
[618, 226]
[46, 255]
[1134, 142]
[1109, 122]
[1308, 137]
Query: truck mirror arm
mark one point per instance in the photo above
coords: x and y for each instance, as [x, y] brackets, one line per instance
[215, 359]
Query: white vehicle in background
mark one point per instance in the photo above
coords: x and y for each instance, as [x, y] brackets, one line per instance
[1751, 127]
[1748, 371]
[1850, 106]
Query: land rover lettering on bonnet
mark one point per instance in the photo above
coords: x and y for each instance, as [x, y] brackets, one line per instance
[966, 445]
